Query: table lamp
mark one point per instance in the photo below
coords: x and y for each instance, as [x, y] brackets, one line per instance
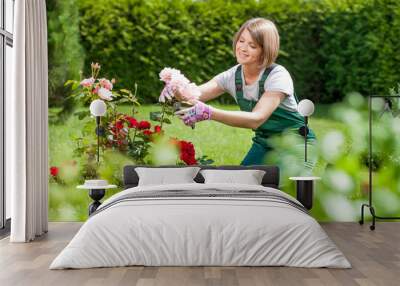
[306, 109]
[98, 108]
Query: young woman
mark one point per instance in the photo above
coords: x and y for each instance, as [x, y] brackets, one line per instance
[262, 89]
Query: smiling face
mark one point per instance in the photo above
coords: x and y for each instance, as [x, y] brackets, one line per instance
[248, 51]
[256, 43]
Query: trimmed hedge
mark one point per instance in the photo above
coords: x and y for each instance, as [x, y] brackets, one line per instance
[65, 52]
[330, 47]
[360, 47]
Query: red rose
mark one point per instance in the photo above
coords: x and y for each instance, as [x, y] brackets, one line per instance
[96, 89]
[184, 157]
[119, 125]
[157, 129]
[187, 147]
[147, 132]
[182, 144]
[189, 160]
[132, 122]
[54, 171]
[187, 152]
[144, 125]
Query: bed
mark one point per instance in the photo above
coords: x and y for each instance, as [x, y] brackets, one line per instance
[201, 224]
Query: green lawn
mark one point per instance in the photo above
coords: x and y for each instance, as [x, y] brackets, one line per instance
[224, 144]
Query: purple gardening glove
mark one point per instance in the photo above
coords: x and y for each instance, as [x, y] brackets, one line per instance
[199, 112]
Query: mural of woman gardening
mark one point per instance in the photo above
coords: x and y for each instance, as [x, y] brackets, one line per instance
[262, 88]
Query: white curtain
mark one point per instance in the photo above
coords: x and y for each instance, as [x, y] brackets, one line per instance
[26, 119]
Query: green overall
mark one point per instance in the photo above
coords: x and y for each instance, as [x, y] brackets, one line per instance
[280, 120]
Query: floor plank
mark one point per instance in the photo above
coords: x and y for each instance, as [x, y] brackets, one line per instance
[374, 255]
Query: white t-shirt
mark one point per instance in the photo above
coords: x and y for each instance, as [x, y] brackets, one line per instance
[278, 79]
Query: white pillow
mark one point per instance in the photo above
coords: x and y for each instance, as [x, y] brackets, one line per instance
[166, 176]
[249, 177]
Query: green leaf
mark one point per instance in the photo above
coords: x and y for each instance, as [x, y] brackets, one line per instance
[166, 120]
[208, 162]
[125, 91]
[75, 85]
[70, 81]
[123, 100]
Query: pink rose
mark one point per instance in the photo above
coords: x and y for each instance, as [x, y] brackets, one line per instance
[105, 94]
[106, 83]
[178, 81]
[87, 82]
[175, 80]
[168, 73]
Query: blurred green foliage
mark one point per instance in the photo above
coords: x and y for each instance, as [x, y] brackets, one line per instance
[343, 159]
[330, 47]
[65, 52]
[342, 150]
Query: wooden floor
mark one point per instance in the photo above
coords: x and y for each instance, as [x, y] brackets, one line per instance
[374, 255]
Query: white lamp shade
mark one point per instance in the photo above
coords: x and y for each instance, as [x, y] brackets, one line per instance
[98, 107]
[305, 107]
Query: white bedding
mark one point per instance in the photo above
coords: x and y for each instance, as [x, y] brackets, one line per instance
[200, 231]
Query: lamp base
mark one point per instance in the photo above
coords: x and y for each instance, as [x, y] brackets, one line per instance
[96, 195]
[303, 131]
[304, 193]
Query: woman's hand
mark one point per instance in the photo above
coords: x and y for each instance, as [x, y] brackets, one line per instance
[199, 112]
[190, 93]
[167, 93]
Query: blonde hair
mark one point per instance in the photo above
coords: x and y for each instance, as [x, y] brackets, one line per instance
[265, 34]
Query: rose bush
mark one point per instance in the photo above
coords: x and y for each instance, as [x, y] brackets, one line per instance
[120, 132]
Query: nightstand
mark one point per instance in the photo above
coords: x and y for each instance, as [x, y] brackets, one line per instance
[96, 193]
[304, 190]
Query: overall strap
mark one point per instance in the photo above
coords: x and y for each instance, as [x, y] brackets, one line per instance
[280, 120]
[239, 81]
[264, 78]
